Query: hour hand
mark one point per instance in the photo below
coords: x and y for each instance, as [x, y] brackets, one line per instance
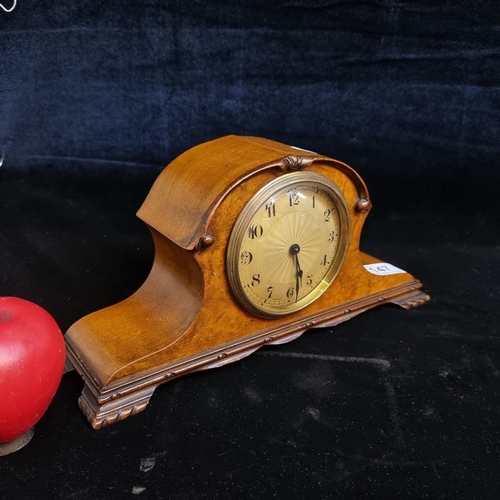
[294, 250]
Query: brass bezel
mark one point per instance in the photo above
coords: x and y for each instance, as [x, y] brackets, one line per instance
[240, 228]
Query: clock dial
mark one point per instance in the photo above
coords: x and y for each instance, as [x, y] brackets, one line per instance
[287, 244]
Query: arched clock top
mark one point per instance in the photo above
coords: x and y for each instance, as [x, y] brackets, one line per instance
[188, 191]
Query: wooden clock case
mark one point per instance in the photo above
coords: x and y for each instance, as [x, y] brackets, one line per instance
[184, 317]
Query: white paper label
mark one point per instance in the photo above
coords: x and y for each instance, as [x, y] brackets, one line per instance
[383, 269]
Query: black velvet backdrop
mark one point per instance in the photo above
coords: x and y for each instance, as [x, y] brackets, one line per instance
[96, 97]
[388, 84]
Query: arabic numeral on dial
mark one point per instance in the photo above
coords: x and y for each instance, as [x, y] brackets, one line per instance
[290, 292]
[293, 197]
[246, 258]
[270, 208]
[331, 237]
[309, 281]
[327, 214]
[256, 280]
[324, 261]
[270, 291]
[255, 231]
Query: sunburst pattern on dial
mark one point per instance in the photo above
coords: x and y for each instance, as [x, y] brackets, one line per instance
[288, 244]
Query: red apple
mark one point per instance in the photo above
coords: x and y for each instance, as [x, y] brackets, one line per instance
[32, 357]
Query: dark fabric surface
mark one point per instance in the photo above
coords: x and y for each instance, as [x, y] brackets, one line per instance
[96, 97]
[392, 404]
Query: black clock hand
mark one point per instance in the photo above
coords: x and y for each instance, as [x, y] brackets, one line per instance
[298, 281]
[294, 250]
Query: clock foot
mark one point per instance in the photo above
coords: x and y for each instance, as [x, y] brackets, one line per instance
[116, 408]
[411, 299]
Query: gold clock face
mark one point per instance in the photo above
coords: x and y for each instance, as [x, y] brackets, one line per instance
[288, 244]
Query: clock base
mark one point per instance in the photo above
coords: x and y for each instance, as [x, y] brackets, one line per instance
[104, 405]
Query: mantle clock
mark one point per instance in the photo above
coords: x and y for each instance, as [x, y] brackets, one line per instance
[255, 242]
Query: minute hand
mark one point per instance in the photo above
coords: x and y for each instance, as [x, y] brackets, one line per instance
[298, 277]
